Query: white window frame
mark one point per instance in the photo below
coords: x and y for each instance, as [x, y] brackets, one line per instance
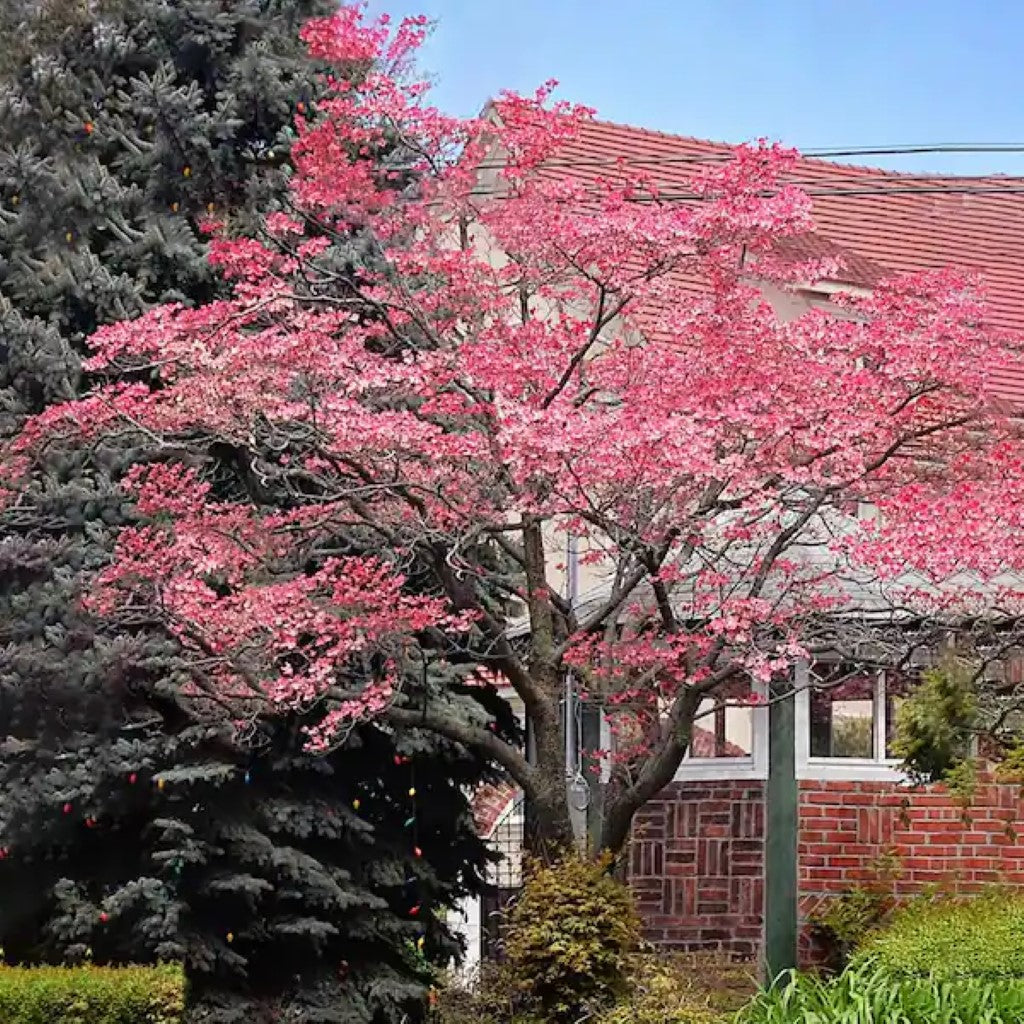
[843, 769]
[728, 769]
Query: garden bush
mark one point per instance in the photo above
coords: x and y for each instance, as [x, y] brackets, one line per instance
[868, 994]
[570, 937]
[92, 995]
[662, 994]
[981, 937]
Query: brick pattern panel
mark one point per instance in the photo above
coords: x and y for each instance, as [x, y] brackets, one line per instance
[697, 867]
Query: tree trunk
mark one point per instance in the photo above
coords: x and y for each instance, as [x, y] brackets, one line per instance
[658, 771]
[550, 832]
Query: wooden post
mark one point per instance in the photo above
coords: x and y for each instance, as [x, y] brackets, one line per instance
[780, 883]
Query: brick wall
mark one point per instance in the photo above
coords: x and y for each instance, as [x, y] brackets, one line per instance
[697, 867]
[697, 854]
[848, 830]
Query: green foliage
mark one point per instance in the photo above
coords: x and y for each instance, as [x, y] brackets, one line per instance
[843, 922]
[489, 997]
[933, 725]
[92, 995]
[229, 849]
[570, 938]
[846, 920]
[1011, 766]
[938, 961]
[662, 993]
[981, 937]
[869, 995]
[289, 884]
[961, 780]
[682, 989]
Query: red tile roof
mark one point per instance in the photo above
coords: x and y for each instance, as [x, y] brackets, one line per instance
[918, 222]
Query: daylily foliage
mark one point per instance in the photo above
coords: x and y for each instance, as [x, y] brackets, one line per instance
[520, 356]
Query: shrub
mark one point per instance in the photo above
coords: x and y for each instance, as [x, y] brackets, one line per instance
[867, 994]
[569, 940]
[981, 937]
[489, 997]
[661, 994]
[92, 995]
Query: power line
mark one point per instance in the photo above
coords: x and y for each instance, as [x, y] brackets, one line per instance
[921, 190]
[816, 154]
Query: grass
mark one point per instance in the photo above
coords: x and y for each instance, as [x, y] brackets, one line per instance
[866, 994]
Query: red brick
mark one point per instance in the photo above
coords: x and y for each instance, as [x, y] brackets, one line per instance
[698, 862]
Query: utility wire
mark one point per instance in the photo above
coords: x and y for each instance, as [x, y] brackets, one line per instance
[904, 190]
[815, 154]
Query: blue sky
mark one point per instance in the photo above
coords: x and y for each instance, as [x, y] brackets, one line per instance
[811, 73]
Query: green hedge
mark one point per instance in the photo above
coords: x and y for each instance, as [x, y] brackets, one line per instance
[977, 938]
[92, 995]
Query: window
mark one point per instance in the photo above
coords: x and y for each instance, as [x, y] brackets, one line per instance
[846, 721]
[730, 737]
[724, 727]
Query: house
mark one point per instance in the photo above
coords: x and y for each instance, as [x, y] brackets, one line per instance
[699, 861]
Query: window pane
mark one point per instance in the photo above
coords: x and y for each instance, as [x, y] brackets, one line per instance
[843, 714]
[721, 730]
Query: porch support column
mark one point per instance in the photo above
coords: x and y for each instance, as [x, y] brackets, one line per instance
[780, 883]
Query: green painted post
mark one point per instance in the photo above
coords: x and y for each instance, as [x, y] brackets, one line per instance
[780, 883]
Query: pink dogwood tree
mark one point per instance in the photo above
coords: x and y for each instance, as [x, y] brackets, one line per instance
[460, 357]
